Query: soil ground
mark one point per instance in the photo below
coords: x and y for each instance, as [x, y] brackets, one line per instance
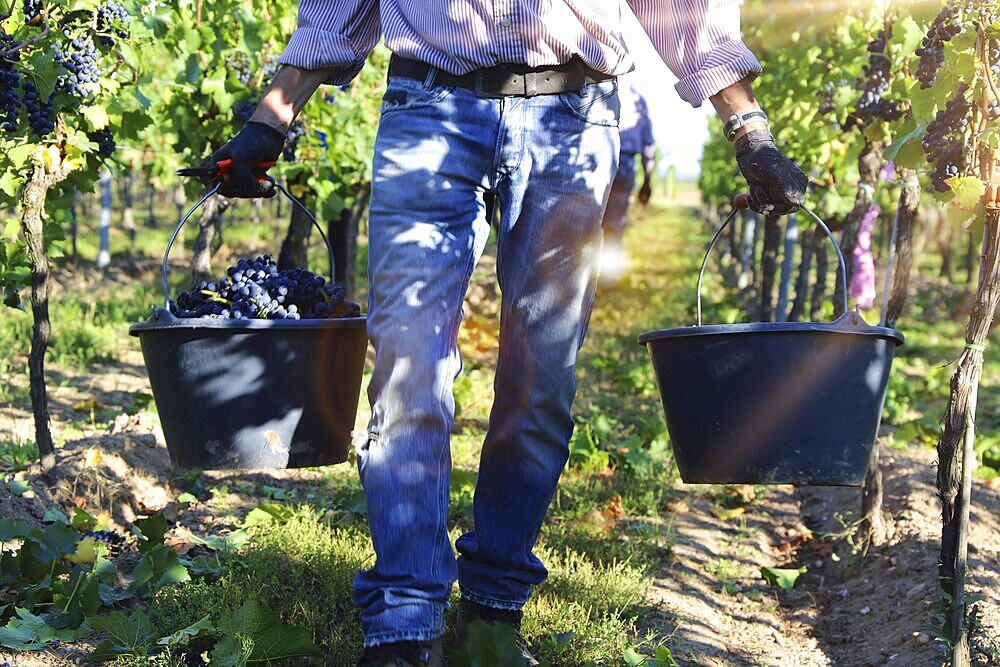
[847, 609]
[713, 608]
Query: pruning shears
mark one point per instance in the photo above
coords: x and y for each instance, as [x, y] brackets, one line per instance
[223, 168]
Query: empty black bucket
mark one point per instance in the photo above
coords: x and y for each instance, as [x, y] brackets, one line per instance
[773, 403]
[256, 393]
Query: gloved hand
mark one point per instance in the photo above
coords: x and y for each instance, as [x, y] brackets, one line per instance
[254, 144]
[777, 185]
[645, 190]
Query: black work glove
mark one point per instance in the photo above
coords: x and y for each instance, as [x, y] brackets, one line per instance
[256, 143]
[777, 185]
[645, 191]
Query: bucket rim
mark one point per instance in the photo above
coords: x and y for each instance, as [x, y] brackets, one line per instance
[837, 327]
[162, 319]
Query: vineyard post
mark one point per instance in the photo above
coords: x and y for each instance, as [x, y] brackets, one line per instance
[104, 254]
[768, 267]
[787, 268]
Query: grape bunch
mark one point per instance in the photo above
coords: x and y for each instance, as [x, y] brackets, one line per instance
[243, 110]
[80, 64]
[10, 85]
[944, 143]
[32, 11]
[931, 51]
[109, 537]
[105, 142]
[41, 116]
[983, 9]
[874, 84]
[828, 103]
[113, 18]
[295, 132]
[239, 64]
[258, 290]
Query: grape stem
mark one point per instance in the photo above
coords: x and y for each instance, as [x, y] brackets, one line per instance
[985, 57]
[6, 55]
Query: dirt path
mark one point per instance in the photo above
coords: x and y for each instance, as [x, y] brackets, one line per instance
[846, 609]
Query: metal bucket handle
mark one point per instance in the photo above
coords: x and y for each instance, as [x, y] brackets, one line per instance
[204, 198]
[742, 202]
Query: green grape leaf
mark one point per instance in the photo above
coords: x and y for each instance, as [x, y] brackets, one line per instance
[28, 632]
[782, 577]
[260, 634]
[906, 151]
[97, 116]
[129, 634]
[906, 35]
[968, 190]
[203, 626]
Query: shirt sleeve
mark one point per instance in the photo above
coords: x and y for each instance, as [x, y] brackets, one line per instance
[332, 34]
[699, 40]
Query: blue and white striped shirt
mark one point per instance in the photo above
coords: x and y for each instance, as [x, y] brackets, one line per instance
[699, 40]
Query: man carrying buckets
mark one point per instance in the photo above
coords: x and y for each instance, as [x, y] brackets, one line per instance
[515, 100]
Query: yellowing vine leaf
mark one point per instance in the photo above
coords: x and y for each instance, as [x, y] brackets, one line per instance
[968, 191]
[728, 514]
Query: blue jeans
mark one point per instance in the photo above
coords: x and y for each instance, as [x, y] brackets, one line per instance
[440, 153]
[616, 215]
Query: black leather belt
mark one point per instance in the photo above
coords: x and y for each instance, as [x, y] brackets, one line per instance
[506, 80]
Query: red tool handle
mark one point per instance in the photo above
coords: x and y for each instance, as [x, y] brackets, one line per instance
[741, 201]
[225, 166]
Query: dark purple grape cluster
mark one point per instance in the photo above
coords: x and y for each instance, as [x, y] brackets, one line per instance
[257, 289]
[109, 537]
[113, 18]
[194, 659]
[114, 541]
[945, 141]
[982, 9]
[873, 85]
[243, 110]
[105, 142]
[945, 26]
[828, 103]
[80, 64]
[10, 87]
[238, 64]
[295, 132]
[32, 10]
[41, 115]
[993, 54]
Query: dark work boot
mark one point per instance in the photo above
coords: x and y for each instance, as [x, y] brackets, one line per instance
[404, 654]
[471, 612]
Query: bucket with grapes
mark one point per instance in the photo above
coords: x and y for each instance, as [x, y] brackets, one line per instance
[259, 369]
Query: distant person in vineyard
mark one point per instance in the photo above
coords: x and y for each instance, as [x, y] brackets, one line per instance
[636, 135]
[519, 101]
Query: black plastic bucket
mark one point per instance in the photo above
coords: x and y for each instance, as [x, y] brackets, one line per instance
[235, 394]
[773, 403]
